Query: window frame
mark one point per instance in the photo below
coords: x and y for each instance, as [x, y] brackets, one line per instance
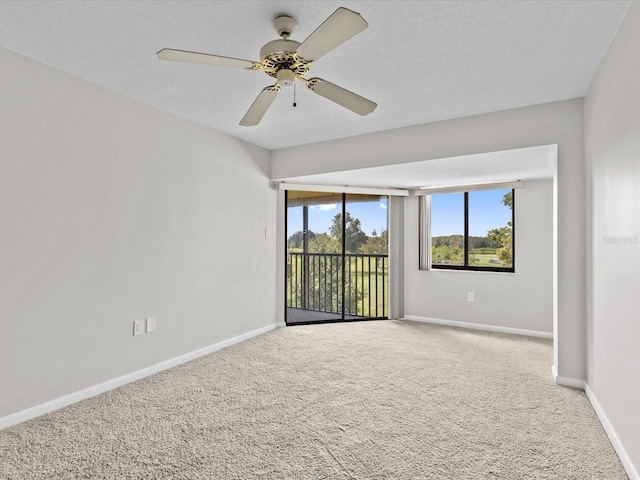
[473, 268]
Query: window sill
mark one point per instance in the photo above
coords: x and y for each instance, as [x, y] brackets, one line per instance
[470, 270]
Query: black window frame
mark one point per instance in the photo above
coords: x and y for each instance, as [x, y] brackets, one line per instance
[474, 268]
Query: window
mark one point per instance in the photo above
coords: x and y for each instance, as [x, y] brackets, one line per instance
[473, 230]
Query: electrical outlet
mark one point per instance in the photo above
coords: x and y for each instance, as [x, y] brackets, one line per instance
[138, 326]
[470, 297]
[151, 324]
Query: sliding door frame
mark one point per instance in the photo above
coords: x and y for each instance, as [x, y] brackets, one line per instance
[343, 267]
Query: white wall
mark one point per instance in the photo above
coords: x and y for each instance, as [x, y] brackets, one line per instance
[523, 300]
[111, 210]
[559, 123]
[612, 133]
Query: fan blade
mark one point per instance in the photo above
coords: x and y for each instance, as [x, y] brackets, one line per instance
[337, 29]
[195, 57]
[260, 106]
[341, 96]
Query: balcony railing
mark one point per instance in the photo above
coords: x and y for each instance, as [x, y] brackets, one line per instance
[314, 282]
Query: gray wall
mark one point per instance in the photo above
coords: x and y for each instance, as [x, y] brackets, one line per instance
[559, 123]
[612, 132]
[523, 300]
[112, 210]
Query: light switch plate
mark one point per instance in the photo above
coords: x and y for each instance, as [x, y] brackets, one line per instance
[151, 324]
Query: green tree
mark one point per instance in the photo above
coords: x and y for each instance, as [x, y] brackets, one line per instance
[447, 255]
[323, 243]
[296, 240]
[376, 244]
[456, 241]
[507, 200]
[503, 236]
[500, 235]
[354, 236]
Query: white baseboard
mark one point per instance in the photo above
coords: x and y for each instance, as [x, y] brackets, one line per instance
[479, 326]
[280, 325]
[632, 472]
[71, 398]
[567, 381]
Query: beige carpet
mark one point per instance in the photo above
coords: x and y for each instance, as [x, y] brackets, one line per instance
[370, 400]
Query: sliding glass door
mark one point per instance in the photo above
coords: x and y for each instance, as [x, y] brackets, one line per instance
[336, 260]
[366, 256]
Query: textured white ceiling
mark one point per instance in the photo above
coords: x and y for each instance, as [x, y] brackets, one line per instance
[534, 163]
[421, 61]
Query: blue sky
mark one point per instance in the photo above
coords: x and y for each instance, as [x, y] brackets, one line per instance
[372, 216]
[486, 212]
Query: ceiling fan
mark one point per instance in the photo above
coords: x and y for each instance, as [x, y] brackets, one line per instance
[287, 60]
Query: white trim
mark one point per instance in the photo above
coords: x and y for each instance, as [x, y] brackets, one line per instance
[480, 326]
[467, 188]
[281, 325]
[613, 436]
[74, 397]
[301, 187]
[631, 470]
[567, 381]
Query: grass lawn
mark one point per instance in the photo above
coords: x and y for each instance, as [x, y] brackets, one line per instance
[485, 260]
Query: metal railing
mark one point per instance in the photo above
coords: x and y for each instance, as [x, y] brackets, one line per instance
[314, 282]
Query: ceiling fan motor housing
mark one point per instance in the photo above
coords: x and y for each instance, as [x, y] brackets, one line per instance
[279, 55]
[278, 46]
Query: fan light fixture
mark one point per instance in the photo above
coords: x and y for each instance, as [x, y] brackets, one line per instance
[287, 60]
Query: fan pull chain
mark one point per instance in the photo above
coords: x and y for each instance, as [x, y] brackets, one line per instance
[294, 95]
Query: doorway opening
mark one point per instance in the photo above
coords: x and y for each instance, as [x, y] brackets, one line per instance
[337, 262]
